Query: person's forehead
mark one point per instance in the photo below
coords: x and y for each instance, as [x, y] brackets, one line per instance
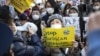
[97, 3]
[56, 20]
[35, 11]
[72, 10]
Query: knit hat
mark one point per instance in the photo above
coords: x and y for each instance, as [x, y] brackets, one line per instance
[55, 16]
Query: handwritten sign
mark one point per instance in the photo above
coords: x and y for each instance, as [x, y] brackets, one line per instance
[59, 38]
[21, 5]
[74, 21]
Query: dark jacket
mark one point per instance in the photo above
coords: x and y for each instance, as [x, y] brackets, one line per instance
[93, 41]
[30, 48]
[45, 18]
[38, 24]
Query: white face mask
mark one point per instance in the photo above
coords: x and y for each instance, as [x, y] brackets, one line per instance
[35, 17]
[57, 26]
[96, 7]
[73, 15]
[41, 6]
[50, 10]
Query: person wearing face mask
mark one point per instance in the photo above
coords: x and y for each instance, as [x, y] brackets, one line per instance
[26, 41]
[93, 7]
[66, 9]
[43, 12]
[73, 12]
[36, 19]
[51, 8]
[54, 21]
[96, 6]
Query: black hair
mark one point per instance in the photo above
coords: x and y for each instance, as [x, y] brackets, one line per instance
[96, 1]
[54, 5]
[73, 9]
[5, 15]
[35, 8]
[67, 6]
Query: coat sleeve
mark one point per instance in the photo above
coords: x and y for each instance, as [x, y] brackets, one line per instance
[35, 49]
[39, 49]
[94, 43]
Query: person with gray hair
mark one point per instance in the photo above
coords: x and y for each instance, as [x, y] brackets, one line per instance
[55, 20]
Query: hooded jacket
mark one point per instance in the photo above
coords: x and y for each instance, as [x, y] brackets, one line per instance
[22, 47]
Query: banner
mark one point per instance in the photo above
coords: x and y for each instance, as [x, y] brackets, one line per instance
[21, 5]
[74, 21]
[59, 38]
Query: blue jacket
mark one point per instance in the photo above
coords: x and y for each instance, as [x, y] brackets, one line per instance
[94, 43]
[23, 47]
[45, 18]
[6, 38]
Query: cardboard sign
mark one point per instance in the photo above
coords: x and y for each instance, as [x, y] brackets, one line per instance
[21, 5]
[74, 21]
[59, 38]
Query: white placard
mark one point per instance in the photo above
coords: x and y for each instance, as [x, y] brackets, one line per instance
[74, 21]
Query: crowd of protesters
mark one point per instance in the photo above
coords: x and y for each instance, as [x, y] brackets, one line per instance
[27, 28]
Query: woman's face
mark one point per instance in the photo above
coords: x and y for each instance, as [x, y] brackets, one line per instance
[49, 8]
[72, 11]
[35, 12]
[48, 5]
[35, 15]
[56, 23]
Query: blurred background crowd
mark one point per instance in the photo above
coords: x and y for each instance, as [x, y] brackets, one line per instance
[27, 27]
